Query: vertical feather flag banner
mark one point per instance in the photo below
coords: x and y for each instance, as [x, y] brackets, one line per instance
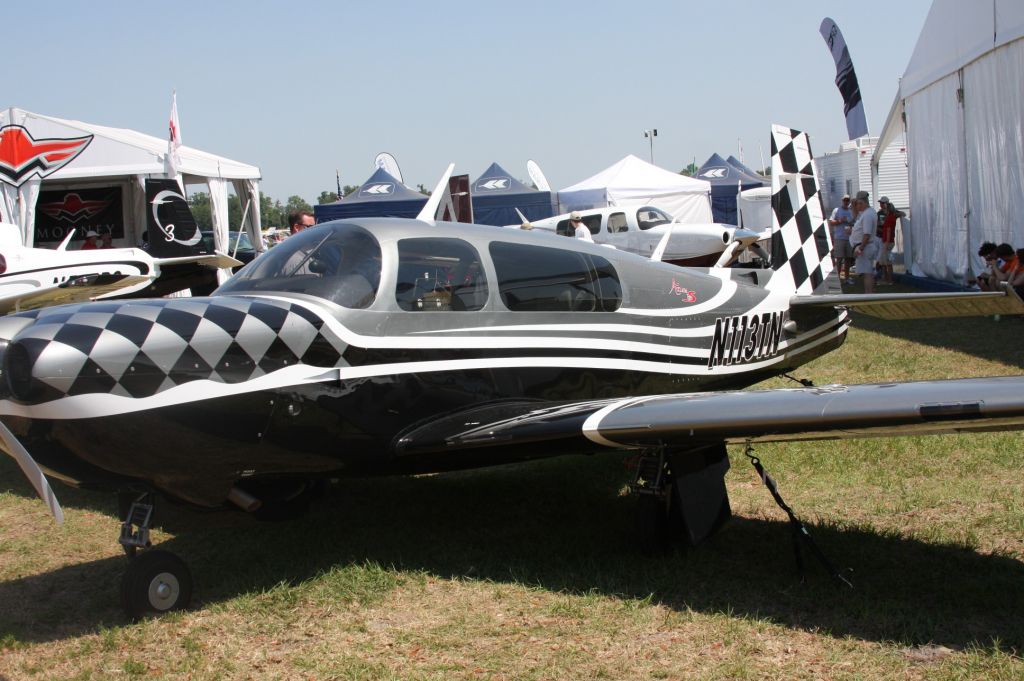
[173, 159]
[846, 79]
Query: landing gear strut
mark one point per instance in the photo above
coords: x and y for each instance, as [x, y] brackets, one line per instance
[156, 581]
[681, 496]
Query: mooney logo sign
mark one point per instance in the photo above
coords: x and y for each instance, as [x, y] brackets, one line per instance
[22, 156]
[73, 208]
[745, 338]
[379, 189]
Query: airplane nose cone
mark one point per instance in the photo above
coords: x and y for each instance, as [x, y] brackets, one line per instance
[136, 349]
[746, 236]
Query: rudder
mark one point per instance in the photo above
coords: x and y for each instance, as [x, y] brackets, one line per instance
[801, 242]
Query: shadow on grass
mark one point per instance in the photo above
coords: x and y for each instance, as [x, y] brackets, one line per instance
[982, 337]
[560, 525]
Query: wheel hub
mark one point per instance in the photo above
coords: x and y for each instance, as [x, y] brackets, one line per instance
[164, 590]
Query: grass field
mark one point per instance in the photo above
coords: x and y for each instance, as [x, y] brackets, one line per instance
[531, 572]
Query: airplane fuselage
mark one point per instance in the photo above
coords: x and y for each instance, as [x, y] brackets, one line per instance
[299, 367]
[29, 269]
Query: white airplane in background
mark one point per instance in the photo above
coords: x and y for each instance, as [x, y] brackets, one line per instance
[651, 232]
[31, 278]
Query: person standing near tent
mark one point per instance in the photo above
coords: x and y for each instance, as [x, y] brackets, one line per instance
[887, 216]
[300, 220]
[90, 241]
[864, 241]
[580, 230]
[842, 224]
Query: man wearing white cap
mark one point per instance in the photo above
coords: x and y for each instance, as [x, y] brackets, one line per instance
[581, 230]
[90, 241]
[865, 243]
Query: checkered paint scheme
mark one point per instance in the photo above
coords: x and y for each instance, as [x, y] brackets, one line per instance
[139, 349]
[801, 243]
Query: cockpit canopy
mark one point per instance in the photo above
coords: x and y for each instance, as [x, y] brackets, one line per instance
[339, 262]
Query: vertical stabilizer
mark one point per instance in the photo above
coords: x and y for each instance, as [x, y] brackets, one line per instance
[172, 229]
[801, 243]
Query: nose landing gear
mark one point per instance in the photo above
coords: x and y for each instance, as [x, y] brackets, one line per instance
[156, 581]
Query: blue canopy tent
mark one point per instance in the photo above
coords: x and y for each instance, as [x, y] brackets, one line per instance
[380, 196]
[736, 163]
[724, 179]
[496, 195]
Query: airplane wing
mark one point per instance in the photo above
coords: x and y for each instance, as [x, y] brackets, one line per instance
[692, 419]
[921, 305]
[78, 290]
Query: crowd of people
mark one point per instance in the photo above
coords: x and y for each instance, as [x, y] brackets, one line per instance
[1003, 265]
[863, 239]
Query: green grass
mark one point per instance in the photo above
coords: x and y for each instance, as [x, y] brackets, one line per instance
[531, 572]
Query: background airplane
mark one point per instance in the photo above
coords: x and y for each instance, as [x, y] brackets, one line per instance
[650, 231]
[177, 258]
[387, 346]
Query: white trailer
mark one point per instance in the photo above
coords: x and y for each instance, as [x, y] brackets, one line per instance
[848, 171]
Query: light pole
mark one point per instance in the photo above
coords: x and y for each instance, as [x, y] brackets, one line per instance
[650, 135]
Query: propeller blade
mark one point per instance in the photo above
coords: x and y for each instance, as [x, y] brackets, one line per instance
[10, 444]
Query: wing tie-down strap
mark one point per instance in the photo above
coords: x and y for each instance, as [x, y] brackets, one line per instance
[800, 532]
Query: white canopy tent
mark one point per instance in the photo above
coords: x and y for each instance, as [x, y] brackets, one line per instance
[114, 155]
[635, 182]
[961, 104]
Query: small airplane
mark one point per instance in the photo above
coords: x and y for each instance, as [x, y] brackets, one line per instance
[177, 258]
[392, 346]
[651, 232]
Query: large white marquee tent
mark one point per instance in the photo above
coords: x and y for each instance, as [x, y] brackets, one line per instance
[635, 182]
[126, 158]
[961, 104]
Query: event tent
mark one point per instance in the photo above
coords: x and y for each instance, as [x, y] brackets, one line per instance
[738, 164]
[961, 104]
[635, 182]
[726, 182]
[380, 196]
[497, 195]
[96, 157]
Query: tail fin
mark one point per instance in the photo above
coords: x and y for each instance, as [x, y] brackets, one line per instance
[801, 243]
[171, 229]
[430, 209]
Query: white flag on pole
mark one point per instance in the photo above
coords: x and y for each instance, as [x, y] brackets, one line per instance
[173, 159]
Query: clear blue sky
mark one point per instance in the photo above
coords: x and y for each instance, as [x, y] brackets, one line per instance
[302, 88]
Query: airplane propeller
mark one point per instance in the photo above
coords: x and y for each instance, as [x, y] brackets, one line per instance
[10, 444]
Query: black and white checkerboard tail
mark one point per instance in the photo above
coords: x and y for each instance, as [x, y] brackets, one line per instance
[801, 243]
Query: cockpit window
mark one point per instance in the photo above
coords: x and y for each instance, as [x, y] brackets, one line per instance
[336, 261]
[439, 275]
[649, 216]
[593, 223]
[538, 279]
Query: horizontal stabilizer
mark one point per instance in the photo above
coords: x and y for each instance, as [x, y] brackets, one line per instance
[215, 259]
[921, 305]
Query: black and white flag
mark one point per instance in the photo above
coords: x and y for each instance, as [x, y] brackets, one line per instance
[846, 79]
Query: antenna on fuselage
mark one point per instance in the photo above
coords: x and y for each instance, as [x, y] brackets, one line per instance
[659, 252]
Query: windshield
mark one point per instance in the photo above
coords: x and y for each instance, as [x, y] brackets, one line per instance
[336, 261]
[649, 216]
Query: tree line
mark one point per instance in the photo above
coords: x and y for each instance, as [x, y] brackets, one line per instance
[273, 213]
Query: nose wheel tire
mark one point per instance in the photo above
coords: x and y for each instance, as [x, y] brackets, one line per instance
[155, 582]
